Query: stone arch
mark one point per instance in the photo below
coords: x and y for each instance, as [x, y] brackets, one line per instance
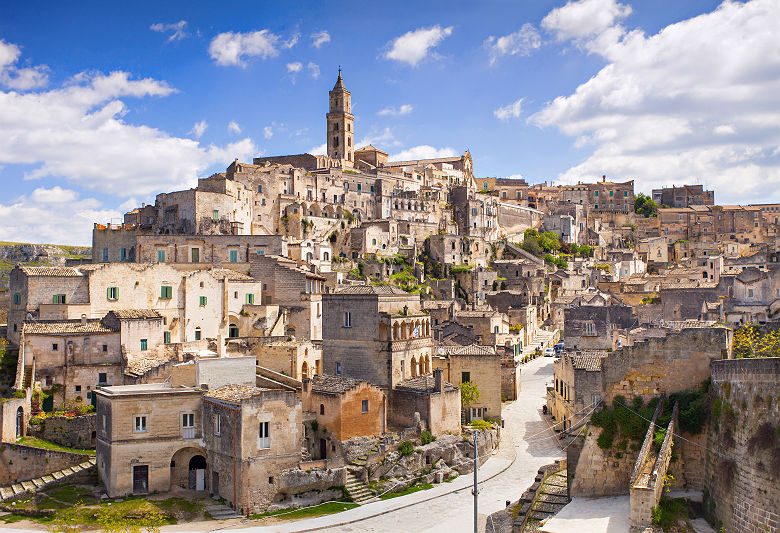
[404, 331]
[427, 364]
[329, 212]
[304, 209]
[315, 210]
[20, 422]
[326, 256]
[185, 466]
[396, 331]
[233, 330]
[383, 331]
[414, 367]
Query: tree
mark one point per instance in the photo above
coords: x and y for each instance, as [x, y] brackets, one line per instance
[469, 393]
[644, 205]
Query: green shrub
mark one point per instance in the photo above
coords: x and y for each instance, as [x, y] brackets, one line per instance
[406, 448]
[426, 437]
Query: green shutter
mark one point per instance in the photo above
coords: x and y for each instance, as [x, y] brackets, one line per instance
[54, 299]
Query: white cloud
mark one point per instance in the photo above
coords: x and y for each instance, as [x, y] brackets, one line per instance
[292, 41]
[422, 151]
[508, 111]
[319, 38]
[231, 48]
[383, 137]
[522, 43]
[55, 215]
[655, 111]
[234, 128]
[314, 70]
[176, 31]
[318, 150]
[21, 79]
[413, 46]
[76, 132]
[199, 128]
[584, 18]
[514, 177]
[294, 67]
[268, 132]
[404, 109]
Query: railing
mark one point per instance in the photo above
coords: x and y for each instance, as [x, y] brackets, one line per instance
[188, 432]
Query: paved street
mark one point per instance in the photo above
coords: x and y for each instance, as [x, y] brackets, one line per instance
[525, 447]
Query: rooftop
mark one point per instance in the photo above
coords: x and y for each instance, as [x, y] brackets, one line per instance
[144, 388]
[51, 271]
[470, 349]
[424, 383]
[333, 384]
[379, 290]
[65, 327]
[135, 314]
[234, 393]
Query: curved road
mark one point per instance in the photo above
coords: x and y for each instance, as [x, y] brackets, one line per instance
[525, 446]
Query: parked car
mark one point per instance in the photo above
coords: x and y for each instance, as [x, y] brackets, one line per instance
[549, 352]
[558, 348]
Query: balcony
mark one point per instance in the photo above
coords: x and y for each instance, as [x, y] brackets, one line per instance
[188, 432]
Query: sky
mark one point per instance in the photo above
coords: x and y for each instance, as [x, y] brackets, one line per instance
[103, 105]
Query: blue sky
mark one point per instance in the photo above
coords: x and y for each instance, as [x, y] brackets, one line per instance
[104, 105]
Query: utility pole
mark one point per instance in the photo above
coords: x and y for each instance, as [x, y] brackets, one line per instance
[475, 491]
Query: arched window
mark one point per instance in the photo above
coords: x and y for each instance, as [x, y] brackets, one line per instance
[197, 333]
[322, 408]
[304, 370]
[233, 331]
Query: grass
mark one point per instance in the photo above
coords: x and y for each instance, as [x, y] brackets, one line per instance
[407, 490]
[46, 445]
[308, 512]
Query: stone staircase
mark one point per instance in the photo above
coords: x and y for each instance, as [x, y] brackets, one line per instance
[28, 373]
[221, 512]
[34, 485]
[363, 459]
[358, 491]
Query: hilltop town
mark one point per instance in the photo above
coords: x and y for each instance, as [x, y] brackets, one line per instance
[302, 329]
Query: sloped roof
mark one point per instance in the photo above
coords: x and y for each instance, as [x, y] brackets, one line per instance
[372, 289]
[135, 314]
[230, 275]
[50, 271]
[470, 349]
[234, 393]
[66, 327]
[333, 384]
[424, 383]
[588, 361]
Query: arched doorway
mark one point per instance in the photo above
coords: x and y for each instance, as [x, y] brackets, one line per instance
[197, 473]
[233, 331]
[19, 423]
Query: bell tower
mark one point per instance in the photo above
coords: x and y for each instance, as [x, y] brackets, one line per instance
[341, 122]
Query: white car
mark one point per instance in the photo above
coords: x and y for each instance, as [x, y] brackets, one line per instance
[549, 352]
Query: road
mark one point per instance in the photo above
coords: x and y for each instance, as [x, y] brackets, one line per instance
[525, 446]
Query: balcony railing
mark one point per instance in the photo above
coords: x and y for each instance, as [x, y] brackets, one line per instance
[188, 432]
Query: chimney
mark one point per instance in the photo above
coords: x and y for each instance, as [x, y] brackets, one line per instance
[83, 319]
[438, 376]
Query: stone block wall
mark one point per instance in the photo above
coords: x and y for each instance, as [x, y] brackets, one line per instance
[742, 469]
[73, 432]
[598, 472]
[22, 463]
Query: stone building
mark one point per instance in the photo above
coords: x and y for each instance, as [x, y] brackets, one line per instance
[345, 407]
[480, 365]
[428, 402]
[577, 387]
[375, 333]
[590, 326]
[683, 196]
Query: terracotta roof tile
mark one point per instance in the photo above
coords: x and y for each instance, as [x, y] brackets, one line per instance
[372, 289]
[424, 383]
[51, 271]
[65, 327]
[135, 314]
[234, 393]
[333, 384]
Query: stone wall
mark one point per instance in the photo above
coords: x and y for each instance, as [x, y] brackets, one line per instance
[742, 471]
[22, 463]
[594, 472]
[73, 432]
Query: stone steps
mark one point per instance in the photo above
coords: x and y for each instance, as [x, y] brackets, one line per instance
[221, 512]
[39, 483]
[358, 491]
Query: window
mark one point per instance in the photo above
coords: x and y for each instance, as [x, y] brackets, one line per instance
[144, 344]
[625, 193]
[590, 329]
[112, 293]
[188, 426]
[611, 193]
[322, 408]
[250, 299]
[364, 406]
[359, 187]
[373, 241]
[105, 255]
[103, 425]
[595, 193]
[78, 388]
[372, 189]
[473, 210]
[465, 376]
[259, 188]
[161, 256]
[123, 254]
[234, 256]
[58, 299]
[166, 292]
[265, 440]
[102, 378]
[17, 299]
[347, 319]
[215, 215]
[203, 300]
[140, 424]
[750, 293]
[217, 425]
[54, 347]
[105, 347]
[195, 255]
[197, 334]
[261, 252]
[338, 368]
[167, 337]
